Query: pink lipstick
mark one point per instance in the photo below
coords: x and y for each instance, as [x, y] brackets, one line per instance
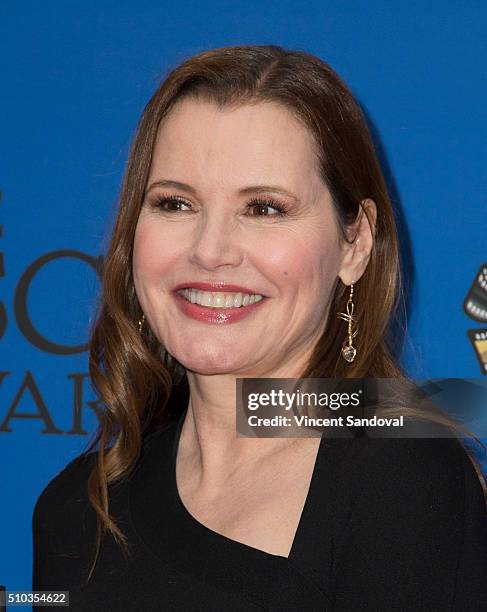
[216, 315]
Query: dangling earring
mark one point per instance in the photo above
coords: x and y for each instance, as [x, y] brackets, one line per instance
[348, 351]
[141, 323]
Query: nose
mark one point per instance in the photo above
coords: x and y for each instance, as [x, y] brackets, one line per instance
[215, 243]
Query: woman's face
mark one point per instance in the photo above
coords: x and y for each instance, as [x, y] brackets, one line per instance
[224, 171]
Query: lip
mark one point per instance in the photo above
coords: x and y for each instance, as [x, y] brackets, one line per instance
[216, 286]
[215, 315]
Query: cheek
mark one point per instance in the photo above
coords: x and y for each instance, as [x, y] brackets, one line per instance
[306, 262]
[152, 254]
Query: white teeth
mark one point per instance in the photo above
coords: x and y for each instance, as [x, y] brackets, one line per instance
[219, 300]
[205, 299]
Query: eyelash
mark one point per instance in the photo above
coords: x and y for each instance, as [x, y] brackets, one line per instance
[280, 208]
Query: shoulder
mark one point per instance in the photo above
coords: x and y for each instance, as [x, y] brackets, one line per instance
[428, 470]
[405, 487]
[62, 523]
[411, 507]
[64, 490]
[419, 457]
[67, 491]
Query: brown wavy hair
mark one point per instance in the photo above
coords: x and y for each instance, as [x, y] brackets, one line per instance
[134, 376]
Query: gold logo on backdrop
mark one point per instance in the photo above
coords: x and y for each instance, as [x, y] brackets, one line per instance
[475, 307]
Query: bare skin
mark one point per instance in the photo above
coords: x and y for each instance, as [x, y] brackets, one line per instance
[259, 504]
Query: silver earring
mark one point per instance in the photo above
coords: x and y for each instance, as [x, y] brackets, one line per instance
[141, 323]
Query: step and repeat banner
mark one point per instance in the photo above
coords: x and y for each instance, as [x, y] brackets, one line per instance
[75, 78]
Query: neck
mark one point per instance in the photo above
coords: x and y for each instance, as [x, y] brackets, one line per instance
[209, 442]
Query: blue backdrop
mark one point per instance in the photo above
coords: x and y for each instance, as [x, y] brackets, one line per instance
[75, 77]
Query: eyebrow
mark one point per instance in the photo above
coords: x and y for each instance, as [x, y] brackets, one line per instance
[252, 189]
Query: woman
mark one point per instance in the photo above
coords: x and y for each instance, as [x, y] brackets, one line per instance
[253, 218]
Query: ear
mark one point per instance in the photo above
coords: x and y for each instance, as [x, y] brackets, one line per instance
[361, 236]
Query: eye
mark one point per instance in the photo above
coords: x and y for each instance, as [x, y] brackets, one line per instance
[175, 204]
[170, 203]
[262, 204]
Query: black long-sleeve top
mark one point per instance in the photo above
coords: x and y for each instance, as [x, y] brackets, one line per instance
[388, 524]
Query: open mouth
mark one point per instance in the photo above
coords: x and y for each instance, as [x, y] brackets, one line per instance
[217, 299]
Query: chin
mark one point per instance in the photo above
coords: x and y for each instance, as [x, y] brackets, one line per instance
[208, 362]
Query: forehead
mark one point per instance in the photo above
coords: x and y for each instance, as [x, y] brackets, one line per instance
[261, 141]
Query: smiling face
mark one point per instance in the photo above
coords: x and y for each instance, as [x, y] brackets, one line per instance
[218, 227]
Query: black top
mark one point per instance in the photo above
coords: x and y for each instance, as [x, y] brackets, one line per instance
[388, 524]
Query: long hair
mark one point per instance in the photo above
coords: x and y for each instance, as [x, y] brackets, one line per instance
[132, 373]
